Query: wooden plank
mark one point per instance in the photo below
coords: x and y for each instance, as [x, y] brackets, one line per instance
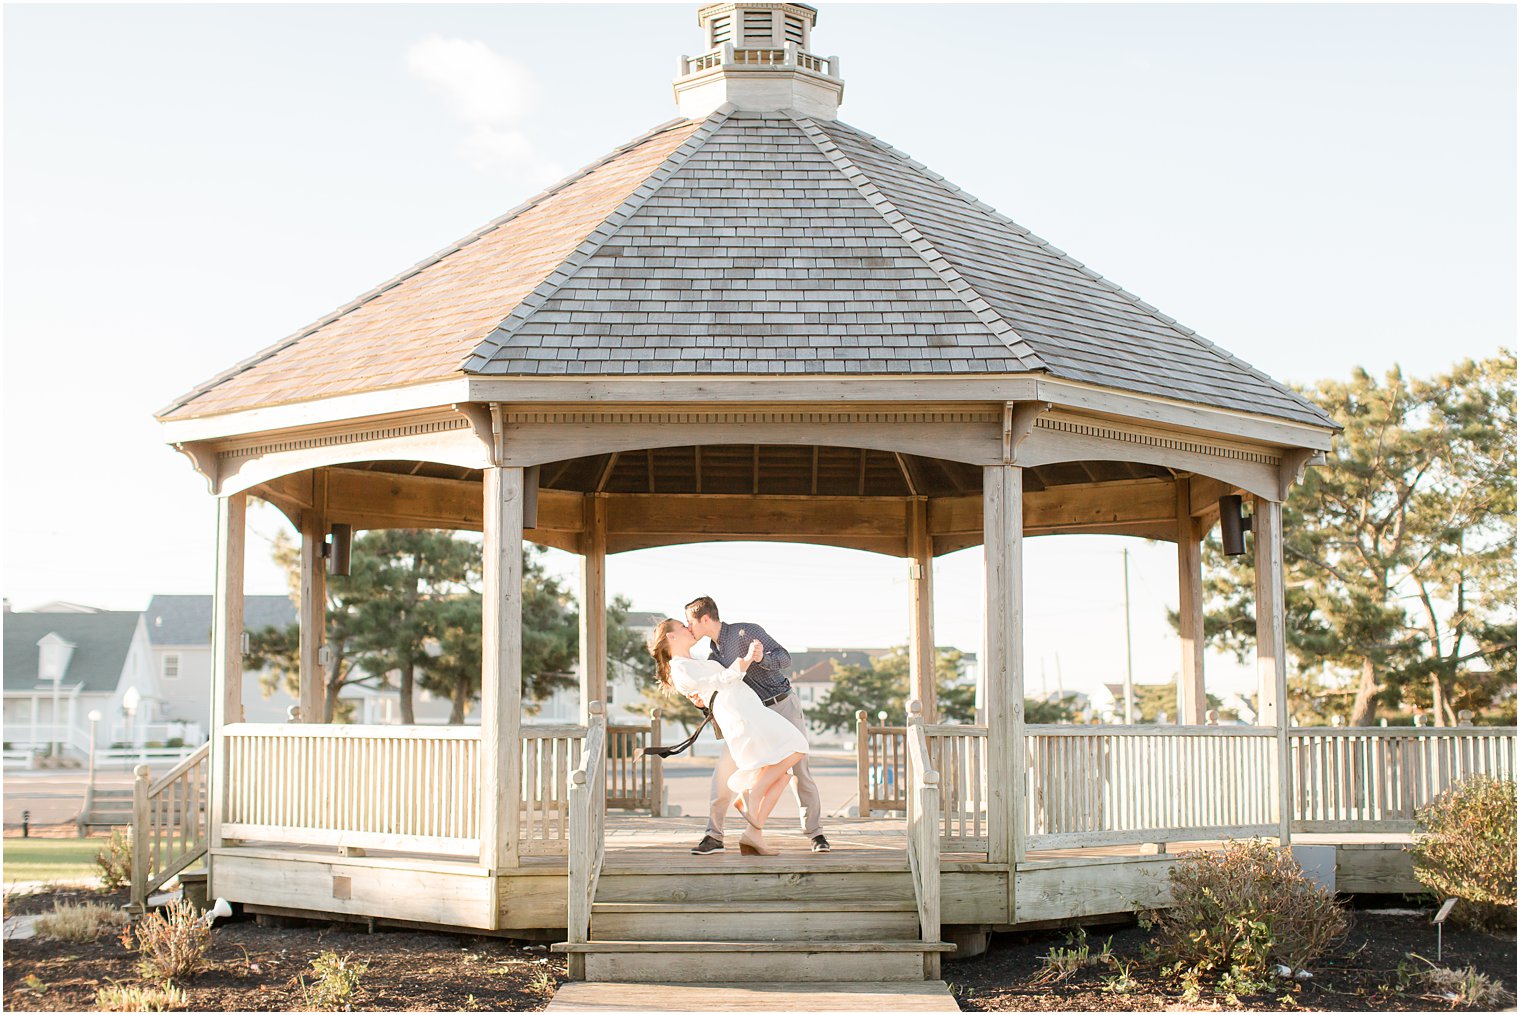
[1192, 702]
[786, 967]
[313, 606]
[999, 508]
[908, 996]
[593, 614]
[741, 924]
[501, 683]
[921, 648]
[1271, 647]
[398, 892]
[1064, 892]
[226, 655]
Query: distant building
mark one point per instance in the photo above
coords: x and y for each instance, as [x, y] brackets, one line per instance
[103, 662]
[179, 629]
[625, 703]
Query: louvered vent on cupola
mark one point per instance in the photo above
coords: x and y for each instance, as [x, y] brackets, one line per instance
[759, 28]
[795, 30]
[722, 29]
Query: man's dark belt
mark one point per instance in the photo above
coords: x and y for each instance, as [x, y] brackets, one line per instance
[768, 702]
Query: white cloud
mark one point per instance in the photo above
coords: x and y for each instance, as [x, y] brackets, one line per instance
[490, 94]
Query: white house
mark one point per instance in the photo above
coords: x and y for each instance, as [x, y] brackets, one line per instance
[179, 628]
[60, 667]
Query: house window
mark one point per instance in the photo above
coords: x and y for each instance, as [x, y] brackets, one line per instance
[171, 665]
[794, 29]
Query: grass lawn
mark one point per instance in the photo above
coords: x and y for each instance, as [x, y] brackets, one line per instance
[51, 859]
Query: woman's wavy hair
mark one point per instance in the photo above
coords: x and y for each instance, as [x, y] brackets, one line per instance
[659, 647]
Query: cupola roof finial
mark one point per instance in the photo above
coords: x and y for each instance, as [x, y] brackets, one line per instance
[758, 58]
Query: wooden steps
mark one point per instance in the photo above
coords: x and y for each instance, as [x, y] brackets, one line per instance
[756, 921]
[782, 921]
[751, 961]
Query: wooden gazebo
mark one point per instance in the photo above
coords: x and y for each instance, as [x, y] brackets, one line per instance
[753, 322]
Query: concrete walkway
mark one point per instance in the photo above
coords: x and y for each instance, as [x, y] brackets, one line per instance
[930, 995]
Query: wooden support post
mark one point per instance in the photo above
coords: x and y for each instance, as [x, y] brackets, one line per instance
[1271, 647]
[656, 766]
[1003, 538]
[226, 657]
[141, 780]
[863, 761]
[593, 603]
[313, 619]
[1191, 699]
[501, 669]
[922, 654]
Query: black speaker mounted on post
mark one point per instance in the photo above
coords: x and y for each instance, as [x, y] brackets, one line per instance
[1233, 525]
[338, 549]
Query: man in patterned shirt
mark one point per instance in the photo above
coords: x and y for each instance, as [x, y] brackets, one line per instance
[730, 641]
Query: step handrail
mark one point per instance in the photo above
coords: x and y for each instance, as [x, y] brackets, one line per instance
[169, 819]
[587, 846]
[923, 835]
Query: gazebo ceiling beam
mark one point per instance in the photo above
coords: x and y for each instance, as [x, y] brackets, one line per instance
[374, 500]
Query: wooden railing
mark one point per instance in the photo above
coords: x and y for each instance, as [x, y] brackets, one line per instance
[408, 788]
[881, 765]
[549, 755]
[635, 781]
[1358, 779]
[1109, 785]
[729, 55]
[168, 824]
[959, 755]
[923, 835]
[588, 796]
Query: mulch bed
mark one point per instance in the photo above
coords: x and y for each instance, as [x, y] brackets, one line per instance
[1360, 976]
[257, 968]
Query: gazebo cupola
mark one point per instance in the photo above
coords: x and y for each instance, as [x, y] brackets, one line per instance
[758, 60]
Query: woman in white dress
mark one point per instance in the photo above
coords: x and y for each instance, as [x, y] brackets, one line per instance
[764, 745]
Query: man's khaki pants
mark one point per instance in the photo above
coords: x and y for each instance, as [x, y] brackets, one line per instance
[803, 787]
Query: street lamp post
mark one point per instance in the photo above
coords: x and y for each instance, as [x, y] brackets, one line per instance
[95, 718]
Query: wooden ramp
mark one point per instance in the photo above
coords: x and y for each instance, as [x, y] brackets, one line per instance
[921, 995]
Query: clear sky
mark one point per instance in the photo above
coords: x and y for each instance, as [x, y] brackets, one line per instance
[1311, 187]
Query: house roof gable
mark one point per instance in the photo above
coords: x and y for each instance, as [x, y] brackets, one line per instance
[101, 640]
[186, 620]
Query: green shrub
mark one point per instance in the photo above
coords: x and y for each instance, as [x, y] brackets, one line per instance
[115, 862]
[171, 942]
[335, 982]
[1464, 848]
[1240, 911]
[175, 742]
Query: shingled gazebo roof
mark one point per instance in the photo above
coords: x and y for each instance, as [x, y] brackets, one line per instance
[748, 243]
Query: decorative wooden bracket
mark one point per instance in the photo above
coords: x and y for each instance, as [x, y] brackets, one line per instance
[1018, 423]
[203, 458]
[1291, 469]
[486, 422]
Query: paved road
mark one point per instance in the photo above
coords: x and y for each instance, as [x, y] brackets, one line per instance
[53, 797]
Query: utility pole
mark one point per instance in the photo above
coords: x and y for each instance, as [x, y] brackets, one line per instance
[1129, 668]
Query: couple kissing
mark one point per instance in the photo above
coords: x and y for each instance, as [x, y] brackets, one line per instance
[742, 687]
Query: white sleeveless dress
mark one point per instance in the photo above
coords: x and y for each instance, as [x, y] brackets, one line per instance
[756, 736]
